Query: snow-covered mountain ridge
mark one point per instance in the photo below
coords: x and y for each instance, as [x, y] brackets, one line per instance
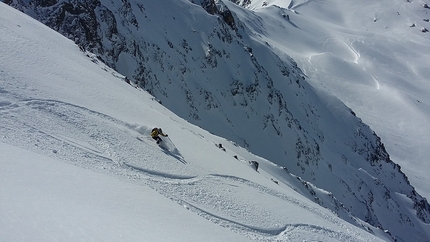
[316, 142]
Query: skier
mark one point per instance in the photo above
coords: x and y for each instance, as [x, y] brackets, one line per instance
[155, 132]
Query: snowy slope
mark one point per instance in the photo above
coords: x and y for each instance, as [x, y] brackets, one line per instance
[44, 199]
[62, 111]
[58, 103]
[58, 107]
[372, 55]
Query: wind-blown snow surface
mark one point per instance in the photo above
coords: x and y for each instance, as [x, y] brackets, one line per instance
[63, 111]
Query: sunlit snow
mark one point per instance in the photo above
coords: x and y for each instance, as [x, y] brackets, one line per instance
[77, 162]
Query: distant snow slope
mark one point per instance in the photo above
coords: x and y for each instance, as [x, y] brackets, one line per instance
[58, 103]
[372, 55]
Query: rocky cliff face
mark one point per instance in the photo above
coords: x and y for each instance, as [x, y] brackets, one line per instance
[202, 62]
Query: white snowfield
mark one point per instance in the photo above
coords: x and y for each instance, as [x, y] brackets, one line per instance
[77, 162]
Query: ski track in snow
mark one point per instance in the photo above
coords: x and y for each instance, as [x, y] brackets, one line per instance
[158, 174]
[102, 143]
[239, 211]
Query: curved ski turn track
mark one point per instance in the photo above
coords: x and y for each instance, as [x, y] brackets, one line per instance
[105, 144]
